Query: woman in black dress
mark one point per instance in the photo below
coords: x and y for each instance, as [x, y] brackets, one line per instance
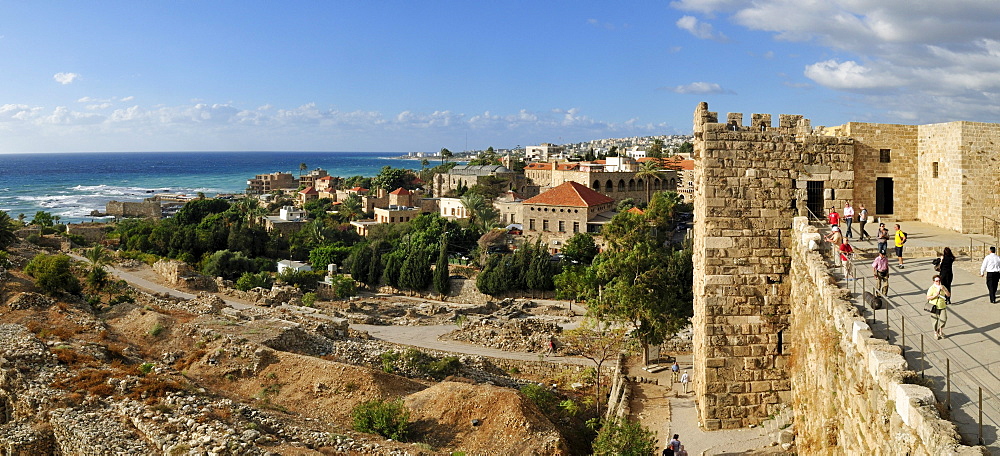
[947, 259]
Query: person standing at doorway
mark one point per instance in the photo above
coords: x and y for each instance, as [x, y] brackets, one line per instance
[849, 219]
[900, 238]
[991, 270]
[862, 220]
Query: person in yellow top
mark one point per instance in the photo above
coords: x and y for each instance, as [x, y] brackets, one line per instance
[937, 296]
[900, 240]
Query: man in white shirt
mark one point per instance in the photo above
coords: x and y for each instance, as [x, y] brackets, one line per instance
[991, 270]
[849, 218]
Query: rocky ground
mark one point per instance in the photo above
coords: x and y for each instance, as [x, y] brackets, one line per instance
[165, 375]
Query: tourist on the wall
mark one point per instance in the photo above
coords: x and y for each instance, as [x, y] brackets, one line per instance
[833, 216]
[846, 256]
[883, 238]
[937, 296]
[848, 219]
[900, 238]
[835, 238]
[944, 269]
[991, 270]
[881, 269]
[862, 220]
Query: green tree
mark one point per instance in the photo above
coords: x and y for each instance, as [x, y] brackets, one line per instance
[655, 150]
[416, 269]
[482, 213]
[685, 148]
[648, 171]
[598, 342]
[195, 210]
[624, 438]
[390, 178]
[53, 275]
[228, 264]
[7, 229]
[441, 277]
[445, 154]
[351, 208]
[42, 218]
[302, 168]
[343, 286]
[324, 255]
[580, 248]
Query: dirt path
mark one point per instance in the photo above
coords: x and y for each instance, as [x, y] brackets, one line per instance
[417, 336]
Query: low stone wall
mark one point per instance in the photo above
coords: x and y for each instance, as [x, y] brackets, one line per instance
[180, 274]
[852, 393]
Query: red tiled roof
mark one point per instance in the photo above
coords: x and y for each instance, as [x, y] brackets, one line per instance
[359, 189]
[309, 191]
[568, 166]
[672, 163]
[400, 191]
[539, 165]
[636, 210]
[325, 178]
[570, 194]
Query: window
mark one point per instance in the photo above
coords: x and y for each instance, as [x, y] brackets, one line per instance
[545, 225]
[576, 227]
[934, 170]
[562, 226]
[531, 224]
[883, 156]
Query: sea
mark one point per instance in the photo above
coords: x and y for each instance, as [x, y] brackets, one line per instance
[72, 185]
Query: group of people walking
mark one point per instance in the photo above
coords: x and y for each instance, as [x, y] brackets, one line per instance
[939, 294]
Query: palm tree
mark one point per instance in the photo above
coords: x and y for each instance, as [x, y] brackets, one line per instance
[98, 256]
[302, 167]
[481, 211]
[7, 236]
[647, 172]
[445, 153]
[350, 208]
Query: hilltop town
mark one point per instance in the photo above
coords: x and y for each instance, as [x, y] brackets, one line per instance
[280, 320]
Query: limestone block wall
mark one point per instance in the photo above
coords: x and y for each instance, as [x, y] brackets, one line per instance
[746, 194]
[901, 140]
[852, 393]
[940, 196]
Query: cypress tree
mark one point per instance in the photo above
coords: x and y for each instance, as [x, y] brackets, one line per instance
[441, 282]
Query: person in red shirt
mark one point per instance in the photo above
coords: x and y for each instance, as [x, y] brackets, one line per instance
[846, 255]
[834, 217]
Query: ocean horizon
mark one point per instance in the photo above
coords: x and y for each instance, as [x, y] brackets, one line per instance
[73, 184]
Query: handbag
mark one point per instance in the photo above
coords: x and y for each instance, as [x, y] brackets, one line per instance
[937, 264]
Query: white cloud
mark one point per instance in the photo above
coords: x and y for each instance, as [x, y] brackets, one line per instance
[65, 78]
[849, 75]
[896, 53]
[127, 99]
[699, 29]
[227, 126]
[698, 88]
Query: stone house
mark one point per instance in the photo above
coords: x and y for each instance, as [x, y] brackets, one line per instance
[289, 220]
[558, 214]
[306, 195]
[266, 183]
[615, 177]
[469, 175]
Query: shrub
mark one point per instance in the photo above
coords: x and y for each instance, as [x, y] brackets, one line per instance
[389, 419]
[52, 274]
[156, 330]
[444, 367]
[545, 399]
[309, 299]
[625, 438]
[343, 286]
[250, 280]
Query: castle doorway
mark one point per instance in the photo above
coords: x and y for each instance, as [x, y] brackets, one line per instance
[814, 197]
[883, 195]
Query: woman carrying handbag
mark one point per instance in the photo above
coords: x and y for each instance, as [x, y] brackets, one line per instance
[937, 304]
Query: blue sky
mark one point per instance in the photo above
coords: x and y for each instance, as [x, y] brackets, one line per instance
[418, 76]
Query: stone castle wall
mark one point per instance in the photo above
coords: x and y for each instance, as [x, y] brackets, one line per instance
[852, 392]
[749, 184]
[147, 209]
[901, 141]
[940, 196]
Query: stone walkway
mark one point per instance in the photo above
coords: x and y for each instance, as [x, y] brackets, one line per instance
[972, 343]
